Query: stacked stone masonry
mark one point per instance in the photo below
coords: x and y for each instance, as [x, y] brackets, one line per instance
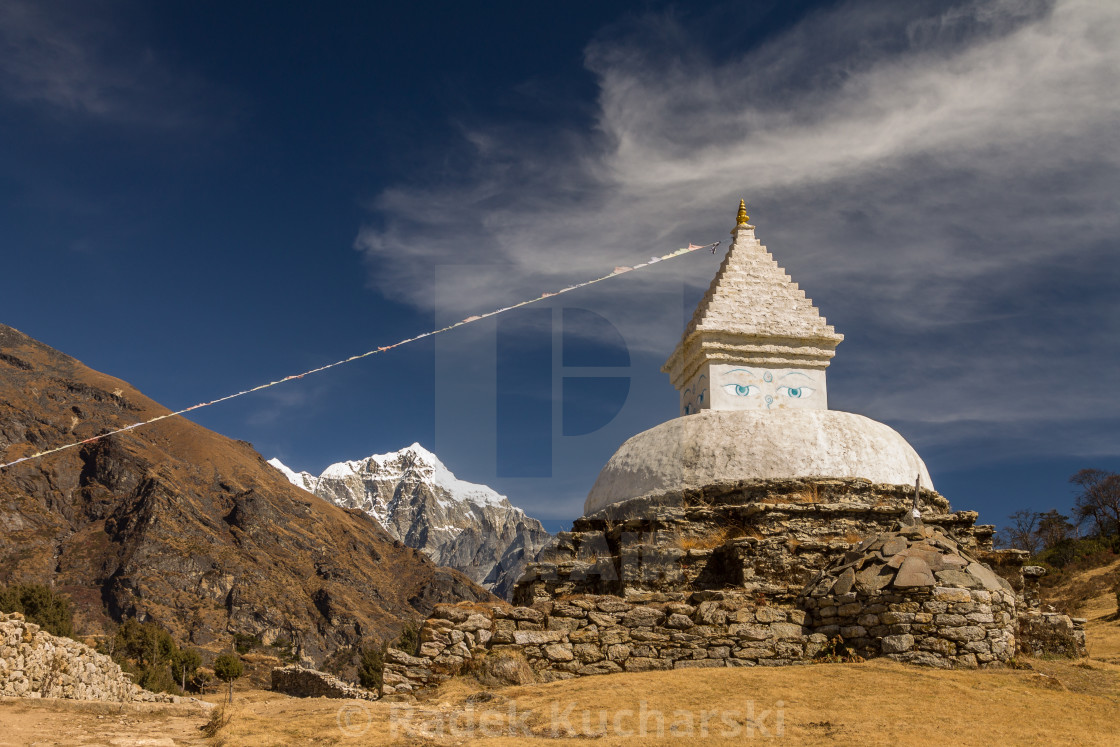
[36, 664]
[769, 537]
[590, 635]
[920, 594]
[915, 595]
[310, 683]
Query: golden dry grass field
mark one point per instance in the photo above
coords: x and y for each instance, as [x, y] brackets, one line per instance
[874, 703]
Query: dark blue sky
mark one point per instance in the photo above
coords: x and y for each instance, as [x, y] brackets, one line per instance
[200, 197]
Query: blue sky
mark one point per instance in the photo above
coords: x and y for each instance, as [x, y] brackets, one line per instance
[199, 197]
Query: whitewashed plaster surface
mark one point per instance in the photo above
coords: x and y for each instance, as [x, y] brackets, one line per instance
[736, 386]
[714, 446]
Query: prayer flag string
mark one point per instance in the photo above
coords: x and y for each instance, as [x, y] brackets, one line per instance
[470, 319]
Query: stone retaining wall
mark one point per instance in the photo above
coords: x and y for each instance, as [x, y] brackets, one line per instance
[311, 683]
[604, 634]
[589, 635]
[36, 664]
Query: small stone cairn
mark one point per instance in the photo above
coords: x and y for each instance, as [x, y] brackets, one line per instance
[915, 595]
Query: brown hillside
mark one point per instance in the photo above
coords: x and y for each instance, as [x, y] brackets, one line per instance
[177, 524]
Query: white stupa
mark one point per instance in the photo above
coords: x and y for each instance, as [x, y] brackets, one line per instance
[750, 369]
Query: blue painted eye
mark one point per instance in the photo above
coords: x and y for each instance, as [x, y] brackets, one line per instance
[740, 390]
[688, 409]
[701, 399]
[795, 392]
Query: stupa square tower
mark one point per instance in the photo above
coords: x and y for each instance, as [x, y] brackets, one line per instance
[755, 341]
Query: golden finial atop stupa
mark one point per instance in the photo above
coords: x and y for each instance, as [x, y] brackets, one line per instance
[742, 218]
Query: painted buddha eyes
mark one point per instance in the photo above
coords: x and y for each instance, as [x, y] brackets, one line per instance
[795, 392]
[740, 390]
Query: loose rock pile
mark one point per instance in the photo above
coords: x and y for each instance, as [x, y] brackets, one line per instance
[311, 683]
[915, 595]
[36, 664]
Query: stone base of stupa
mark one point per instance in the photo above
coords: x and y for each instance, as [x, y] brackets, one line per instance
[764, 537]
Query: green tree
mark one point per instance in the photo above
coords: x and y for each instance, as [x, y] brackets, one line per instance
[371, 668]
[146, 644]
[184, 663]
[148, 652]
[227, 668]
[40, 605]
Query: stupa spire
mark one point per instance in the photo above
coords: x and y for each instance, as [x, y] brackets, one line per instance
[755, 340]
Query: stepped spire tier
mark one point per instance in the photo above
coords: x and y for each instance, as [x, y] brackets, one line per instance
[755, 341]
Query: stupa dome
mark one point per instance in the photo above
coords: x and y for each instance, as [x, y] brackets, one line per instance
[714, 446]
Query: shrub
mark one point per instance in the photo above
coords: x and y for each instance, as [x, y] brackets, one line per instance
[245, 642]
[838, 652]
[40, 605]
[409, 642]
[153, 658]
[219, 719]
[371, 668]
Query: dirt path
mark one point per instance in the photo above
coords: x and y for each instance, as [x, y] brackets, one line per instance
[60, 722]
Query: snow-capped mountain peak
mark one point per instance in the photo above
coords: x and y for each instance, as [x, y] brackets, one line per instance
[421, 502]
[304, 480]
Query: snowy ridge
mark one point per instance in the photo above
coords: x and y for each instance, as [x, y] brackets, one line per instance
[419, 501]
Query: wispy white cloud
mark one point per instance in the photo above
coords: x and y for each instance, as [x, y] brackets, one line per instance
[943, 183]
[70, 60]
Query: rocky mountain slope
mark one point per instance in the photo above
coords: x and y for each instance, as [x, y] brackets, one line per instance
[175, 523]
[419, 501]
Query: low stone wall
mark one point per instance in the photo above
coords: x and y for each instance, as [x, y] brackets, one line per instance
[937, 626]
[604, 634]
[311, 683]
[36, 664]
[1050, 633]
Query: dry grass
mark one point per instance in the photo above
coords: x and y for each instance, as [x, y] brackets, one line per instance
[220, 718]
[708, 541]
[1075, 591]
[1102, 631]
[877, 703]
[808, 494]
